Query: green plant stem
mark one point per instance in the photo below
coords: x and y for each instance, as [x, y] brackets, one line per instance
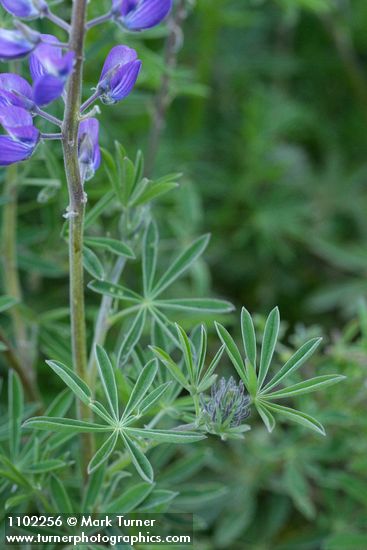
[18, 358]
[76, 210]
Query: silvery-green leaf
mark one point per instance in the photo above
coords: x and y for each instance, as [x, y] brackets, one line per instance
[181, 263]
[103, 452]
[166, 436]
[132, 337]
[149, 259]
[232, 351]
[108, 380]
[209, 305]
[112, 245]
[64, 424]
[141, 387]
[138, 458]
[130, 499]
[306, 386]
[72, 380]
[297, 359]
[171, 366]
[296, 416]
[60, 498]
[268, 344]
[248, 336]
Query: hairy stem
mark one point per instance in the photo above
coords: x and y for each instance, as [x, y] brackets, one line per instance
[70, 129]
[19, 358]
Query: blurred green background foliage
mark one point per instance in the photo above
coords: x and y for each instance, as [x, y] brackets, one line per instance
[267, 122]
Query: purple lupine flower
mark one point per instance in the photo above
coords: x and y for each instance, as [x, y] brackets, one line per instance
[16, 91]
[26, 9]
[137, 15]
[23, 137]
[18, 43]
[50, 70]
[119, 74]
[89, 151]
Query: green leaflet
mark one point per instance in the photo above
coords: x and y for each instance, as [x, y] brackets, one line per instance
[103, 452]
[72, 380]
[64, 424]
[268, 345]
[108, 380]
[181, 264]
[140, 461]
[141, 387]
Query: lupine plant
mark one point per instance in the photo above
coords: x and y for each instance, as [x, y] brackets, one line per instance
[157, 382]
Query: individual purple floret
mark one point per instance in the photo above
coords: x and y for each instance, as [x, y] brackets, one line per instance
[26, 9]
[138, 15]
[89, 151]
[18, 43]
[16, 91]
[119, 74]
[50, 70]
[23, 137]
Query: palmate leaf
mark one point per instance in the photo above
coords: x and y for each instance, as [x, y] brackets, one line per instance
[261, 395]
[148, 305]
